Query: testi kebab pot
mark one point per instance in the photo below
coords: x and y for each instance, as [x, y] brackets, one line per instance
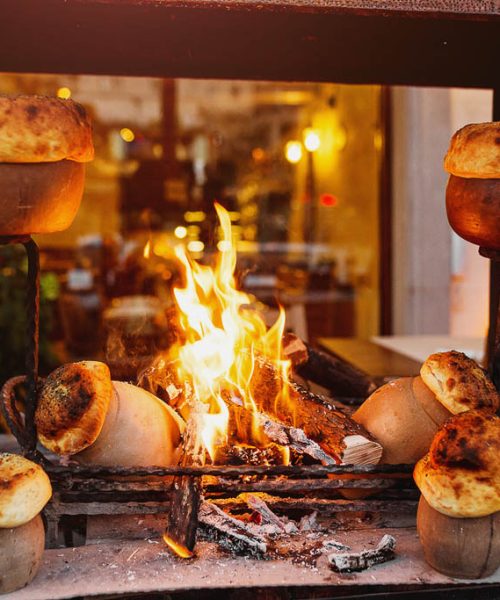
[405, 414]
[83, 413]
[24, 491]
[44, 145]
[458, 517]
[473, 191]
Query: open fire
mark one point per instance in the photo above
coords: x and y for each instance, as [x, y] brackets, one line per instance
[230, 377]
[222, 339]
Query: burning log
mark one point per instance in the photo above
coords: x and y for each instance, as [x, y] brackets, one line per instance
[245, 454]
[232, 534]
[242, 420]
[294, 438]
[331, 372]
[335, 433]
[346, 562]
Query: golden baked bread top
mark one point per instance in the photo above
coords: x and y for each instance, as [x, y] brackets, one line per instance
[458, 382]
[72, 406]
[40, 129]
[470, 440]
[475, 151]
[460, 476]
[24, 490]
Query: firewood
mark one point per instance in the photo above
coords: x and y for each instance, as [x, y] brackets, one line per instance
[334, 432]
[182, 524]
[256, 503]
[327, 370]
[358, 561]
[335, 545]
[314, 426]
[230, 533]
[242, 419]
[245, 454]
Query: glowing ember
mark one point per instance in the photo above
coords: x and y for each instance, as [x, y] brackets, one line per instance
[223, 337]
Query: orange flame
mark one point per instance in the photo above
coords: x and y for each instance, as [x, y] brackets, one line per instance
[223, 337]
[178, 549]
[147, 249]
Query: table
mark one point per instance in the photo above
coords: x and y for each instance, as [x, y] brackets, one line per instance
[371, 358]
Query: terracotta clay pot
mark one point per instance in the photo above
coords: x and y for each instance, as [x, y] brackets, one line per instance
[404, 416]
[458, 547]
[21, 550]
[473, 206]
[139, 431]
[39, 197]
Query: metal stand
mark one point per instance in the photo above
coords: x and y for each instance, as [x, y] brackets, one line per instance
[493, 344]
[25, 432]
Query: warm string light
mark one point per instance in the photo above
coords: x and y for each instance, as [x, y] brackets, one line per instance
[127, 134]
[64, 93]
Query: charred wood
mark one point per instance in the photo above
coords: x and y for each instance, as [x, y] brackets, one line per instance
[346, 562]
[337, 434]
[182, 523]
[268, 517]
[245, 454]
[232, 534]
[327, 370]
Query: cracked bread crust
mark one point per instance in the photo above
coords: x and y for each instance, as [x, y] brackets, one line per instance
[24, 490]
[460, 476]
[36, 129]
[459, 383]
[72, 406]
[474, 151]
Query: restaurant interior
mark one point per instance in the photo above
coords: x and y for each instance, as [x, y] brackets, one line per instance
[310, 175]
[249, 299]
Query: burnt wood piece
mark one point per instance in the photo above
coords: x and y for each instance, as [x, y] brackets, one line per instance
[241, 422]
[182, 524]
[232, 534]
[331, 372]
[245, 454]
[258, 504]
[332, 430]
[346, 562]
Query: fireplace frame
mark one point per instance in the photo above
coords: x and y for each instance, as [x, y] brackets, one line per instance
[357, 41]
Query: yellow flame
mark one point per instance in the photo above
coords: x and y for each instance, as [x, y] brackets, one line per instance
[223, 338]
[147, 249]
[178, 549]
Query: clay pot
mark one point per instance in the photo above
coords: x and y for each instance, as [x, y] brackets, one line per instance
[473, 206]
[139, 431]
[459, 547]
[39, 197]
[403, 415]
[21, 550]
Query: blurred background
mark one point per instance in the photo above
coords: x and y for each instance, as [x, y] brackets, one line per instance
[335, 194]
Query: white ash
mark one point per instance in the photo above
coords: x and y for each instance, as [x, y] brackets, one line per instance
[347, 562]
